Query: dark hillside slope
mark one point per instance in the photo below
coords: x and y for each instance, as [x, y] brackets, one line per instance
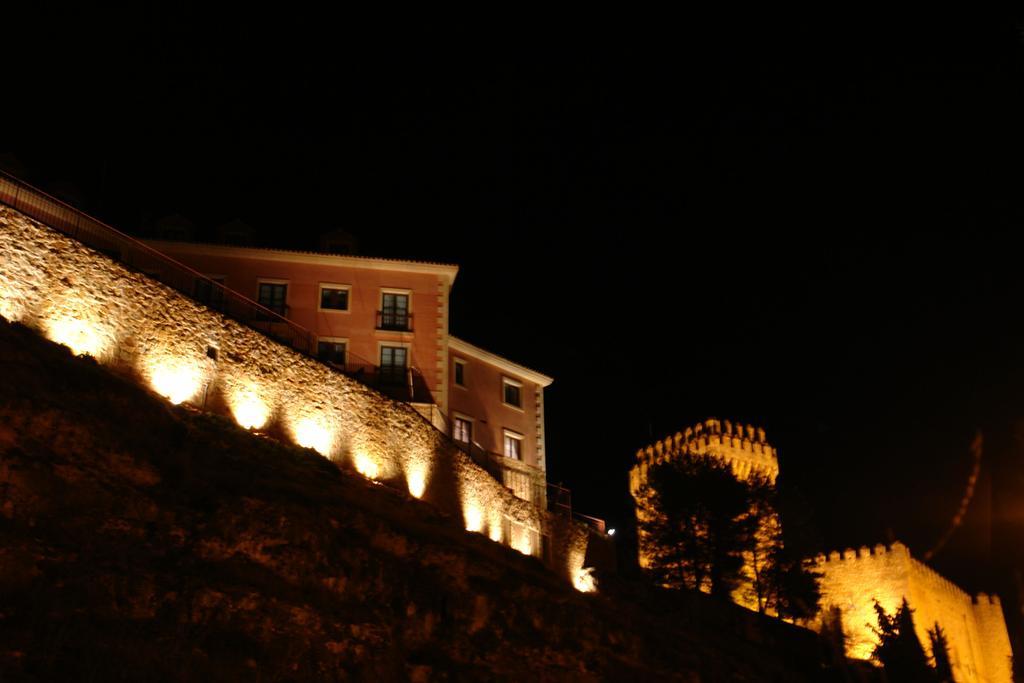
[144, 542]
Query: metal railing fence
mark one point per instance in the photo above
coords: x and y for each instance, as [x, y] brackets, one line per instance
[525, 481]
[94, 233]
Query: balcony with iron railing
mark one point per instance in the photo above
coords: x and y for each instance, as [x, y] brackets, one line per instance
[399, 382]
[394, 320]
[525, 481]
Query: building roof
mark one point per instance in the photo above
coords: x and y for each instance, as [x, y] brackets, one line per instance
[496, 360]
[447, 270]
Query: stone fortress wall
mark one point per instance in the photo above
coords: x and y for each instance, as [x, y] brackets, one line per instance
[182, 350]
[853, 580]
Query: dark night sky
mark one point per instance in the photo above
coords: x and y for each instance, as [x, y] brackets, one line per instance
[806, 222]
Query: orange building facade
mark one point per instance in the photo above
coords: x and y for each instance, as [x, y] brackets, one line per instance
[497, 414]
[385, 322]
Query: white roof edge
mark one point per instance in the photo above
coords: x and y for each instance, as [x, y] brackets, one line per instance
[374, 263]
[496, 360]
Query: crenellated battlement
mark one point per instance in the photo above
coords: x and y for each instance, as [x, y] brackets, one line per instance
[854, 578]
[922, 570]
[743, 447]
[984, 599]
[939, 584]
[897, 549]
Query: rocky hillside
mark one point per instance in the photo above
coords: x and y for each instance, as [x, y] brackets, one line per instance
[144, 542]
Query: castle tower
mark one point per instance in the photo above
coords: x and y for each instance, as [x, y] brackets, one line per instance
[852, 580]
[742, 447]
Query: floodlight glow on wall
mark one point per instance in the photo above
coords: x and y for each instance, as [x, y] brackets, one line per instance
[416, 479]
[81, 336]
[494, 532]
[583, 580]
[311, 433]
[249, 410]
[522, 539]
[366, 465]
[176, 380]
[474, 515]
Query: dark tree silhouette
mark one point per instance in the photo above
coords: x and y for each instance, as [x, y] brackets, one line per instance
[796, 586]
[697, 531]
[833, 637]
[899, 650]
[781, 581]
[710, 531]
[940, 654]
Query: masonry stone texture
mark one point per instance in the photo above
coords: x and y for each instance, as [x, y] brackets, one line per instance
[190, 354]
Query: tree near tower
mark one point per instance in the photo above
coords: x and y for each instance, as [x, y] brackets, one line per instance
[780, 581]
[705, 529]
[697, 531]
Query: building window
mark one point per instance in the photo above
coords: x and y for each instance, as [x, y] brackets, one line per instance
[273, 295]
[512, 392]
[334, 297]
[463, 431]
[394, 312]
[513, 445]
[460, 373]
[394, 360]
[331, 350]
[208, 292]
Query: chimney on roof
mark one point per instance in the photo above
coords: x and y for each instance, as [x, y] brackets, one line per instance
[235, 232]
[174, 227]
[338, 242]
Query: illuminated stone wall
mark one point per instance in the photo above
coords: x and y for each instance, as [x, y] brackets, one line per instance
[189, 354]
[976, 630]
